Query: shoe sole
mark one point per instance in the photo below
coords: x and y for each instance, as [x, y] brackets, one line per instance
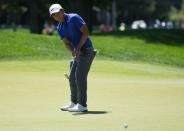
[79, 111]
[64, 109]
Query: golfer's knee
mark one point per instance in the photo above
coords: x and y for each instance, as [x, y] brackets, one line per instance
[81, 82]
[72, 81]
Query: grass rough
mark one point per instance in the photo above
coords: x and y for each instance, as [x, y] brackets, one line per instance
[150, 46]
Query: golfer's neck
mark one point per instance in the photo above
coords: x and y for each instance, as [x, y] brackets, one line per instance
[65, 15]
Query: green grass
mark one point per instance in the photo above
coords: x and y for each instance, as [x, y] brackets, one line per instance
[148, 46]
[153, 46]
[22, 45]
[147, 97]
[123, 86]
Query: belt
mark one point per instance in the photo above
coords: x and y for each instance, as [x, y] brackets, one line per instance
[86, 49]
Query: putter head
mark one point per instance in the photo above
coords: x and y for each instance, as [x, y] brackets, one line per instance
[96, 52]
[66, 76]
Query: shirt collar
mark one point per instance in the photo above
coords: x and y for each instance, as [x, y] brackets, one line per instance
[66, 18]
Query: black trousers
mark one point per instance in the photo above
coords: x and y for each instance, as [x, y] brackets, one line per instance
[79, 68]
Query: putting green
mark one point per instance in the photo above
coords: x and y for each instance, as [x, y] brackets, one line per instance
[147, 97]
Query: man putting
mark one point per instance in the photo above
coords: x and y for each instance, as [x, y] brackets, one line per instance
[74, 32]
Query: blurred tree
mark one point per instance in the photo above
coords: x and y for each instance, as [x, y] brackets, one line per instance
[103, 4]
[83, 8]
[35, 12]
[162, 9]
[177, 14]
[135, 9]
[35, 16]
[130, 10]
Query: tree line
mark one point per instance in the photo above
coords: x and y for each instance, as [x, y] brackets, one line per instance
[33, 13]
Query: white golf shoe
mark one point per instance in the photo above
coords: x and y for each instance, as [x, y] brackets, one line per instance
[65, 108]
[78, 108]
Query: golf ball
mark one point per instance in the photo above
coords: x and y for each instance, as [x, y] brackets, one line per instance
[125, 125]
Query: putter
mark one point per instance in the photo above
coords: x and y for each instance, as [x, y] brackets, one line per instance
[71, 64]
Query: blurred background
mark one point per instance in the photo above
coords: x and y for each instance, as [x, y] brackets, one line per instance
[100, 15]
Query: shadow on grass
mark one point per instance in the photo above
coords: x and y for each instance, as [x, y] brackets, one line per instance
[91, 112]
[158, 36]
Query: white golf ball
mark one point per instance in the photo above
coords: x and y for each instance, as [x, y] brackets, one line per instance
[125, 125]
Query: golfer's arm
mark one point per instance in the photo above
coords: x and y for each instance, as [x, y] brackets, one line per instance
[85, 33]
[68, 44]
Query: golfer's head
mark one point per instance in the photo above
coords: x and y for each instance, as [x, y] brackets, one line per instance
[57, 12]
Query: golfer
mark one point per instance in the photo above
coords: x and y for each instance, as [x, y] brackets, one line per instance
[74, 32]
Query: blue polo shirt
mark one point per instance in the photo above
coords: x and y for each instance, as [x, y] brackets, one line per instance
[70, 29]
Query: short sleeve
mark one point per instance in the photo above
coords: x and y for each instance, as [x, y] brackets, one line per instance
[78, 21]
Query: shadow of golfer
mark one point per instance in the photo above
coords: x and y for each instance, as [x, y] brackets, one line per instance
[91, 112]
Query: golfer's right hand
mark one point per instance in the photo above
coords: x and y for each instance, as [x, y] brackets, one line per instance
[77, 52]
